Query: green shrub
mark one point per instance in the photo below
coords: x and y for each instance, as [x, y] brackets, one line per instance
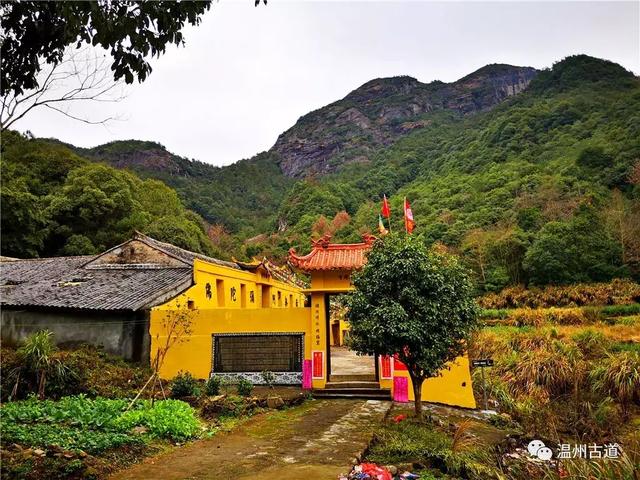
[268, 377]
[621, 310]
[245, 387]
[212, 387]
[184, 385]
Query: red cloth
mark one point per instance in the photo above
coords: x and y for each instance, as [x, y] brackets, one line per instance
[386, 211]
[376, 471]
[409, 224]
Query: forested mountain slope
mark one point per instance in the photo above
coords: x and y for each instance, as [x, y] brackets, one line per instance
[531, 176]
[383, 110]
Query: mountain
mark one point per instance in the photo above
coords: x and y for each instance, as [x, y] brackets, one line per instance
[530, 176]
[383, 110]
[241, 196]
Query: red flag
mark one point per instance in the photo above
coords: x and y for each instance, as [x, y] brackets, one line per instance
[386, 211]
[409, 224]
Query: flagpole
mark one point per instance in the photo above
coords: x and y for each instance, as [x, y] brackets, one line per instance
[404, 214]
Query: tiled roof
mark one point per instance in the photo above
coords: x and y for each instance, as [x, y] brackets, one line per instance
[333, 256]
[125, 277]
[181, 253]
[283, 274]
[62, 282]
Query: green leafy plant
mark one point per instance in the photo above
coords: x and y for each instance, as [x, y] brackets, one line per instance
[244, 387]
[212, 387]
[184, 385]
[268, 378]
[94, 425]
[37, 358]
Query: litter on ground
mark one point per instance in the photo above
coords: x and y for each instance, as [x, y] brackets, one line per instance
[371, 471]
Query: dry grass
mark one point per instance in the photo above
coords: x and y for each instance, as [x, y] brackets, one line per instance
[616, 292]
[564, 380]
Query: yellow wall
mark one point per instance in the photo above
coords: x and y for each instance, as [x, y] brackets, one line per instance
[218, 309]
[448, 388]
[319, 334]
[194, 355]
[331, 281]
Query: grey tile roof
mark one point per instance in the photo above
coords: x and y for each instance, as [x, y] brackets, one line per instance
[62, 282]
[104, 282]
[181, 253]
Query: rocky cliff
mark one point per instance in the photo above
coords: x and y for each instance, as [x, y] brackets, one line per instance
[382, 110]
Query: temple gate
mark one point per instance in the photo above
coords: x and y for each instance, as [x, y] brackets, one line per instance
[330, 266]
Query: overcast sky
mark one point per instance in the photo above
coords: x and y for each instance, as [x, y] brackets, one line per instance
[247, 74]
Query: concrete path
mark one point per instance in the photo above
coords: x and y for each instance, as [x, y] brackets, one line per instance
[317, 439]
[346, 362]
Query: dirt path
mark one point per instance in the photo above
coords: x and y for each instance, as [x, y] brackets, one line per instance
[317, 439]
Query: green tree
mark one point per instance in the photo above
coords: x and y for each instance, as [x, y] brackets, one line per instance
[22, 220]
[132, 31]
[99, 203]
[180, 232]
[413, 303]
[580, 250]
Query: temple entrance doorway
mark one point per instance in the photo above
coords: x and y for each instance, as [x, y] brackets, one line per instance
[345, 364]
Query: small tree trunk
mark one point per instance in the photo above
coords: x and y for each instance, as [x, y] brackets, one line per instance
[417, 381]
[41, 384]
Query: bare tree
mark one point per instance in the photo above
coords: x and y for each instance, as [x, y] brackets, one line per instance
[177, 327]
[82, 75]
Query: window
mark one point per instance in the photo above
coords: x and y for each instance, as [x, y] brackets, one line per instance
[258, 352]
[220, 292]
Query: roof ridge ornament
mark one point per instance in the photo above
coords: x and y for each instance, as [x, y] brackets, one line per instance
[369, 239]
[323, 241]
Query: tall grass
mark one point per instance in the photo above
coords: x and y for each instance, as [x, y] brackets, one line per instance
[619, 376]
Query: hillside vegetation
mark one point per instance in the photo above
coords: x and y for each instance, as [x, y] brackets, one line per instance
[55, 202]
[541, 186]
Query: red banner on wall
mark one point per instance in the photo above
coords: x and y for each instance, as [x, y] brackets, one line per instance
[318, 364]
[385, 366]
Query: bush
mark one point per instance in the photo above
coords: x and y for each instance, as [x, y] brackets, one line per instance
[591, 343]
[268, 378]
[212, 387]
[528, 317]
[89, 369]
[245, 387]
[565, 316]
[184, 385]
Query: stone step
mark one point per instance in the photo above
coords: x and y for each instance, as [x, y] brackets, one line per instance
[353, 393]
[352, 378]
[353, 384]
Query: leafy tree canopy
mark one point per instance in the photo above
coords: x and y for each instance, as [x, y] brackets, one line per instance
[55, 202]
[130, 30]
[414, 303]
